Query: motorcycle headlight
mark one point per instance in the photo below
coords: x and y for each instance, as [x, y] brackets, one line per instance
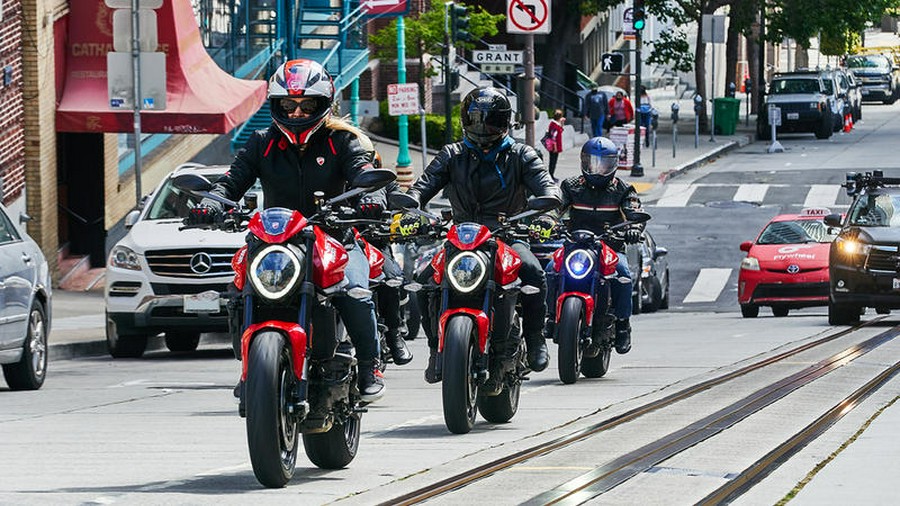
[124, 258]
[579, 263]
[750, 264]
[466, 271]
[275, 271]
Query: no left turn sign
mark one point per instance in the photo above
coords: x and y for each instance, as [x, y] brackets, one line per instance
[528, 16]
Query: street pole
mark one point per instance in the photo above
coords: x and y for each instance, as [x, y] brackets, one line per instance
[528, 101]
[712, 94]
[354, 102]
[424, 138]
[448, 125]
[136, 53]
[637, 170]
[403, 161]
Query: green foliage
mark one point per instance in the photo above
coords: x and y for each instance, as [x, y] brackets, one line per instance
[836, 20]
[434, 126]
[671, 48]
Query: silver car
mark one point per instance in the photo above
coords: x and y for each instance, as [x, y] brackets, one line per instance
[25, 294]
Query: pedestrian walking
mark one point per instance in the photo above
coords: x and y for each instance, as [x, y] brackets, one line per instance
[620, 110]
[553, 139]
[595, 110]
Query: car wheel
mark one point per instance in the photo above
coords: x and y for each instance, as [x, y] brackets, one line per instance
[842, 314]
[182, 341]
[664, 301]
[654, 295]
[119, 346]
[29, 372]
[637, 302]
[882, 310]
[780, 311]
[824, 131]
[749, 310]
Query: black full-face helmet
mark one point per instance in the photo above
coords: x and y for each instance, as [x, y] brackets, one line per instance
[300, 79]
[485, 114]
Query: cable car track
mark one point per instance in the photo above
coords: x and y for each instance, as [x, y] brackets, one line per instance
[623, 468]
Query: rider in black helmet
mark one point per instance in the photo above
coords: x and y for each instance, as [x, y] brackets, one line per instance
[486, 175]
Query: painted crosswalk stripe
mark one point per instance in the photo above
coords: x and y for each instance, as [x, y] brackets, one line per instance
[708, 285]
[822, 195]
[751, 193]
[676, 195]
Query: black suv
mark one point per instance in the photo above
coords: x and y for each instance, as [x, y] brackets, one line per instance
[864, 260]
[878, 75]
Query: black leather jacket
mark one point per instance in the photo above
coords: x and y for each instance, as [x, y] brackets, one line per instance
[592, 207]
[288, 176]
[479, 190]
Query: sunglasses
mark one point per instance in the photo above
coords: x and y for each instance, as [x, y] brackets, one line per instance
[308, 106]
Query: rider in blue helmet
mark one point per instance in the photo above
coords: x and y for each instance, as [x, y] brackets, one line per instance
[593, 200]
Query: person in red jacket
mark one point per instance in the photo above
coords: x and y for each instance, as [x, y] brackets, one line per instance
[620, 110]
[554, 145]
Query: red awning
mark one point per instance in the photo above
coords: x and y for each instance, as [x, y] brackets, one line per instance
[201, 97]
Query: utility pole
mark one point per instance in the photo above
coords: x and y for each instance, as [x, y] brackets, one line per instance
[528, 100]
[448, 109]
[403, 159]
[638, 21]
[136, 53]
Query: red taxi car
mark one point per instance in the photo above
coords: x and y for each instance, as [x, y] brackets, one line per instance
[787, 266]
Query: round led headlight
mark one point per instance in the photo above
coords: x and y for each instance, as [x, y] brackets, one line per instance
[579, 263]
[275, 271]
[466, 271]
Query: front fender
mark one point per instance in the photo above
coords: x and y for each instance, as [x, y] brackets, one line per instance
[482, 322]
[588, 305]
[296, 337]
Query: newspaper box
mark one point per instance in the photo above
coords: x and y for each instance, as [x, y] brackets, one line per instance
[623, 138]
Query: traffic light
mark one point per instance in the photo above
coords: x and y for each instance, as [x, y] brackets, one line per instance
[459, 23]
[638, 16]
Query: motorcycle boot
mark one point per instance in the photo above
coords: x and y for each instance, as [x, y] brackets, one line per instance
[371, 382]
[538, 356]
[399, 350]
[623, 336]
[435, 369]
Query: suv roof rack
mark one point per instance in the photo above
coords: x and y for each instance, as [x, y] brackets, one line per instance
[856, 182]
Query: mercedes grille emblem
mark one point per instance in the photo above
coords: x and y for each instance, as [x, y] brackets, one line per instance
[201, 263]
[793, 269]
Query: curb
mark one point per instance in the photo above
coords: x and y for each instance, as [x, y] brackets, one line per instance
[701, 160]
[66, 351]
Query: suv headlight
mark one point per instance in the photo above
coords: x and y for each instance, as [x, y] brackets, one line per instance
[852, 247]
[466, 271]
[750, 264]
[124, 258]
[275, 271]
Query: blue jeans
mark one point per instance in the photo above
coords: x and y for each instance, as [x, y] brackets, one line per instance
[597, 126]
[358, 315]
[620, 289]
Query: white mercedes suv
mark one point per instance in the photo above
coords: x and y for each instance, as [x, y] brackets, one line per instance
[159, 279]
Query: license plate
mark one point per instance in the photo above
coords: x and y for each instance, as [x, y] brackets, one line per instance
[204, 302]
[793, 115]
[896, 283]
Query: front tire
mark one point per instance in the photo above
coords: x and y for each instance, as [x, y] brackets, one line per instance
[182, 342]
[749, 310]
[120, 346]
[825, 129]
[272, 434]
[780, 311]
[31, 370]
[571, 323]
[337, 447]
[664, 301]
[458, 385]
[842, 314]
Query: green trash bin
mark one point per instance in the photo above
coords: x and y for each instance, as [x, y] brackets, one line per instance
[728, 111]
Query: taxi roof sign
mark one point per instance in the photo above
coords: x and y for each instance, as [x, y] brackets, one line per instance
[815, 211]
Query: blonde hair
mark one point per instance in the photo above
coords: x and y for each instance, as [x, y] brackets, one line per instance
[557, 114]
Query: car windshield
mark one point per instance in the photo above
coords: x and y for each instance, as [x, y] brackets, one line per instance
[829, 85]
[786, 86]
[867, 62]
[795, 232]
[876, 211]
[171, 203]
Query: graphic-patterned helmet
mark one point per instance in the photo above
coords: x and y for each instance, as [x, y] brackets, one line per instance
[297, 79]
[485, 114]
[599, 160]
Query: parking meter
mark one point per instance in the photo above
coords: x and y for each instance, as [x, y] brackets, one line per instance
[698, 108]
[747, 83]
[675, 109]
[731, 89]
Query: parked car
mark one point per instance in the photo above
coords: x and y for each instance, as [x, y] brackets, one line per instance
[805, 104]
[864, 266]
[786, 267]
[853, 89]
[156, 274]
[879, 76]
[25, 306]
[837, 98]
[649, 265]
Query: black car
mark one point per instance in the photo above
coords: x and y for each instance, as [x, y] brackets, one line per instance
[864, 260]
[649, 265]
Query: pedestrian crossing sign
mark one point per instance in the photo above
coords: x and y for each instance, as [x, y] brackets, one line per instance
[613, 63]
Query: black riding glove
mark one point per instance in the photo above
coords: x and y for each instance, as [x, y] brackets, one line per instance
[632, 236]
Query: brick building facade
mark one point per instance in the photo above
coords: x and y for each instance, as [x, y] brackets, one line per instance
[12, 104]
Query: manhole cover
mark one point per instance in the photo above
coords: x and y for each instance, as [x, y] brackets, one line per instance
[731, 204]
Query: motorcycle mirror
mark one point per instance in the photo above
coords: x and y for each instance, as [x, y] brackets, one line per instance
[446, 214]
[397, 200]
[639, 217]
[374, 179]
[833, 220]
[251, 201]
[192, 183]
[543, 203]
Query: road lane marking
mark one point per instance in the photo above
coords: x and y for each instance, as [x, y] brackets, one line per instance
[676, 195]
[708, 285]
[822, 195]
[751, 193]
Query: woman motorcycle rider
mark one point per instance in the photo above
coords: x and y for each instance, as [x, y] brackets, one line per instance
[594, 200]
[488, 174]
[303, 151]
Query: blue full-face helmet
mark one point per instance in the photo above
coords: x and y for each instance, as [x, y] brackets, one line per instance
[599, 160]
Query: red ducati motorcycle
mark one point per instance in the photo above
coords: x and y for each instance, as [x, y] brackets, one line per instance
[476, 275]
[299, 372]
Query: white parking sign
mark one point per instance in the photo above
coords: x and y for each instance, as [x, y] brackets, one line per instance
[403, 99]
